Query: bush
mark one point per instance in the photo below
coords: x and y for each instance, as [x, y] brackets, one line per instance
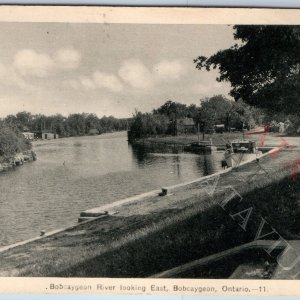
[11, 142]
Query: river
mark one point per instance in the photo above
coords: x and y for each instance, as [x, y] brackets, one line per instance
[76, 174]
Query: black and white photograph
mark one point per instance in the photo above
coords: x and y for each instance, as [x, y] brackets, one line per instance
[150, 150]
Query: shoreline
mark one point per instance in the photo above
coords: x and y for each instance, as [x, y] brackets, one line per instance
[107, 239]
[99, 212]
[18, 160]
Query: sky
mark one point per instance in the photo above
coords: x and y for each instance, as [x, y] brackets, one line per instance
[106, 69]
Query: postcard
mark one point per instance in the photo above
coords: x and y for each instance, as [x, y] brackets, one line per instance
[149, 150]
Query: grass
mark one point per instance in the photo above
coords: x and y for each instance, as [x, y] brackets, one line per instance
[194, 233]
[217, 138]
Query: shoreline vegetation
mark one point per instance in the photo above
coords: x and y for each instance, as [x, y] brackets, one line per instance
[77, 124]
[217, 120]
[14, 148]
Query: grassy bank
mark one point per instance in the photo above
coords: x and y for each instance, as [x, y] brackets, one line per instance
[217, 138]
[194, 233]
[176, 144]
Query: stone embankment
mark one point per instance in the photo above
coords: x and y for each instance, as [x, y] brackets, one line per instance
[17, 160]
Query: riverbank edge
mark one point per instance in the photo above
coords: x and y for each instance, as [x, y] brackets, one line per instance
[97, 213]
[61, 245]
[18, 160]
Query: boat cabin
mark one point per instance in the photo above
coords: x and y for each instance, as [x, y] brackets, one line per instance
[243, 146]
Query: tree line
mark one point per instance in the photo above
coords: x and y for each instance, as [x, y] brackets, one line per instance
[217, 110]
[12, 140]
[76, 124]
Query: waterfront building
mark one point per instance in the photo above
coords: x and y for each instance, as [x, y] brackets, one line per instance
[28, 135]
[45, 135]
[185, 125]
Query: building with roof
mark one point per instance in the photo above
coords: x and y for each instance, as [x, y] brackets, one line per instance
[45, 135]
[185, 125]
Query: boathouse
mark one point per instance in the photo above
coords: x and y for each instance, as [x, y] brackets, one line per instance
[45, 135]
[28, 135]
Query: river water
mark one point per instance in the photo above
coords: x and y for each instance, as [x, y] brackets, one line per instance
[76, 174]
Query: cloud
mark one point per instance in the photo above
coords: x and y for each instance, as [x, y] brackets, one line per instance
[9, 77]
[210, 89]
[131, 72]
[72, 83]
[96, 80]
[169, 70]
[87, 83]
[136, 74]
[68, 59]
[28, 62]
[108, 81]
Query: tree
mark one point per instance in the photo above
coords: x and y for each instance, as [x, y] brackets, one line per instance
[58, 125]
[241, 116]
[173, 110]
[76, 124]
[12, 122]
[24, 119]
[263, 67]
[147, 124]
[91, 122]
[214, 110]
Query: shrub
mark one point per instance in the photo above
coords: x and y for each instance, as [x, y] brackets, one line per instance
[11, 142]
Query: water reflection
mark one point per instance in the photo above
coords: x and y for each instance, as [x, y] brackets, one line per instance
[184, 165]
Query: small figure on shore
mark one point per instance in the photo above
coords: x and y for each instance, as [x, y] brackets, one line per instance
[227, 161]
[64, 163]
[224, 164]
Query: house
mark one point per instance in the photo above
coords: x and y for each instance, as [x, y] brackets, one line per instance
[28, 135]
[185, 125]
[45, 135]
